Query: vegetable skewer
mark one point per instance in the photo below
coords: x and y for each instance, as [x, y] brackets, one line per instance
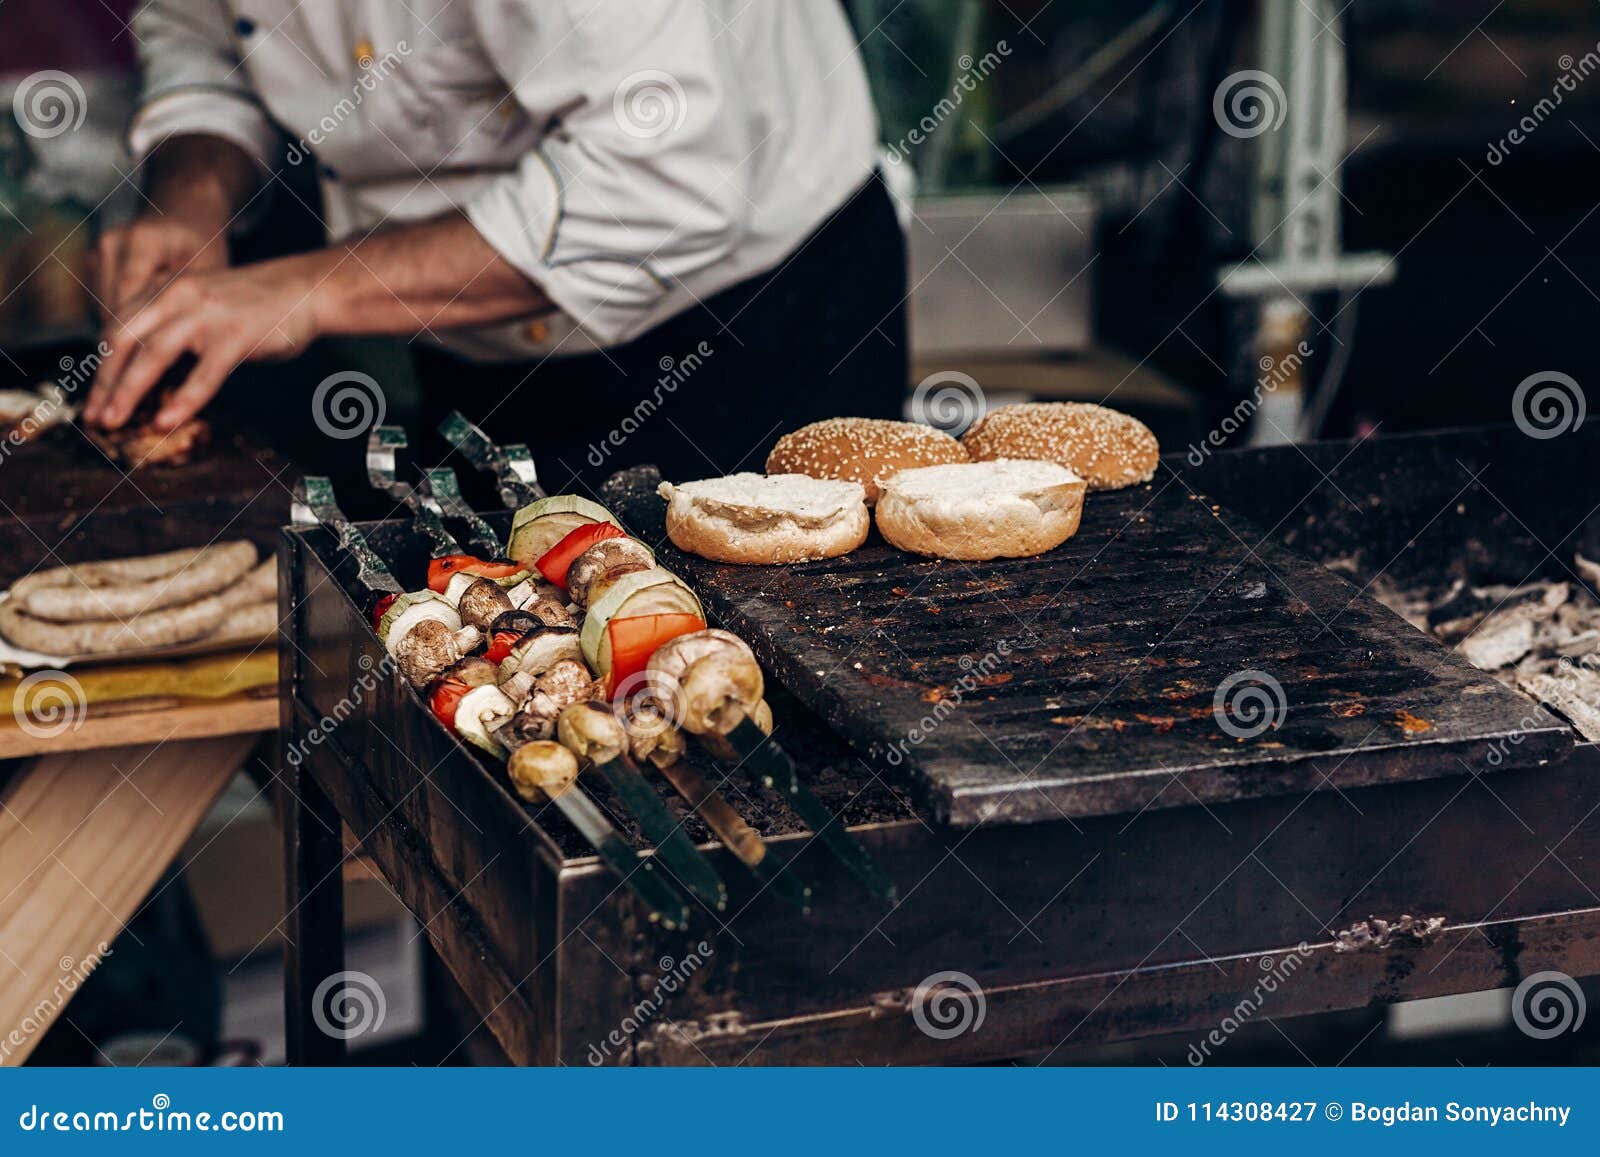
[425, 634]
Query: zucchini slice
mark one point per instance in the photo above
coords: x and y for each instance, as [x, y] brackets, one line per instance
[646, 592]
[540, 525]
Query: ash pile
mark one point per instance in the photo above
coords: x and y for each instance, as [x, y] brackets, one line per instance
[1541, 638]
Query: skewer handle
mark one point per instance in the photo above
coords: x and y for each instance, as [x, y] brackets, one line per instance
[313, 503]
[512, 465]
[442, 486]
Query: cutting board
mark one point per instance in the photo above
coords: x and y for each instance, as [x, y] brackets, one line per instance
[1167, 655]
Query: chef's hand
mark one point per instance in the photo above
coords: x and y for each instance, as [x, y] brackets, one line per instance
[223, 318]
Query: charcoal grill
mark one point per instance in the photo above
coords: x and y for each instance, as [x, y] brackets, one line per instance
[1077, 840]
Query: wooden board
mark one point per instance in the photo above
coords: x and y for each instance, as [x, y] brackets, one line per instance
[83, 839]
[156, 721]
[1086, 681]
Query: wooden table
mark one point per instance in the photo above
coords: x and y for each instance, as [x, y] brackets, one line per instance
[88, 825]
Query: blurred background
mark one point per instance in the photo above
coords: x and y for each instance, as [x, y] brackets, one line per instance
[1277, 220]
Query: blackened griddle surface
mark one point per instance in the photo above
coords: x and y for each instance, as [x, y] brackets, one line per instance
[1084, 682]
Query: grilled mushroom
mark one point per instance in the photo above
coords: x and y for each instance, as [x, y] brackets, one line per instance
[519, 621]
[552, 614]
[542, 770]
[602, 564]
[761, 716]
[482, 602]
[474, 671]
[591, 731]
[430, 647]
[651, 736]
[709, 679]
[535, 653]
[566, 682]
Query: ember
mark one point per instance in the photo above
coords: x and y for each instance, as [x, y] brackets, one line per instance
[1541, 638]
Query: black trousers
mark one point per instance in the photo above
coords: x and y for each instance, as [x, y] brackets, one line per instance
[707, 392]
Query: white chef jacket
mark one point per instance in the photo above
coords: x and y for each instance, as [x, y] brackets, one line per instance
[630, 157]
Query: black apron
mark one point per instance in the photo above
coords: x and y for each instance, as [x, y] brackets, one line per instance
[709, 391]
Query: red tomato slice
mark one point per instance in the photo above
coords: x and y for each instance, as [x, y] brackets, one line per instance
[500, 646]
[382, 609]
[442, 570]
[554, 563]
[634, 640]
[445, 699]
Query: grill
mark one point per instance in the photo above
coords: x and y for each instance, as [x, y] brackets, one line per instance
[1057, 810]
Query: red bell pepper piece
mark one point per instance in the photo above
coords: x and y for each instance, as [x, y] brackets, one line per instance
[442, 570]
[634, 640]
[556, 561]
[445, 699]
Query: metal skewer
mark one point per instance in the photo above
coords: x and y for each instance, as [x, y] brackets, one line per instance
[774, 768]
[441, 485]
[511, 466]
[665, 903]
[384, 444]
[737, 836]
[592, 732]
[313, 502]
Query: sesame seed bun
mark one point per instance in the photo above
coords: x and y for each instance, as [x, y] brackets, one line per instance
[981, 510]
[864, 450]
[1106, 448]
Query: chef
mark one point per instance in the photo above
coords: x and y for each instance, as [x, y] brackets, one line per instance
[618, 230]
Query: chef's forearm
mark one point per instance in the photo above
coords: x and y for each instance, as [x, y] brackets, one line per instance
[203, 178]
[430, 276]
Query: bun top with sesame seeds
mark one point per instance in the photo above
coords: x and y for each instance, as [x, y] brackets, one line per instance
[1105, 447]
[864, 450]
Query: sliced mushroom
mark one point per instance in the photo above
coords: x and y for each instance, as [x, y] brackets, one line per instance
[604, 563]
[430, 647]
[534, 654]
[542, 770]
[519, 621]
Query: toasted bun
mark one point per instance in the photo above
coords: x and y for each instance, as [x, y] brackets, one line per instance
[752, 518]
[1106, 448]
[979, 510]
[863, 450]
